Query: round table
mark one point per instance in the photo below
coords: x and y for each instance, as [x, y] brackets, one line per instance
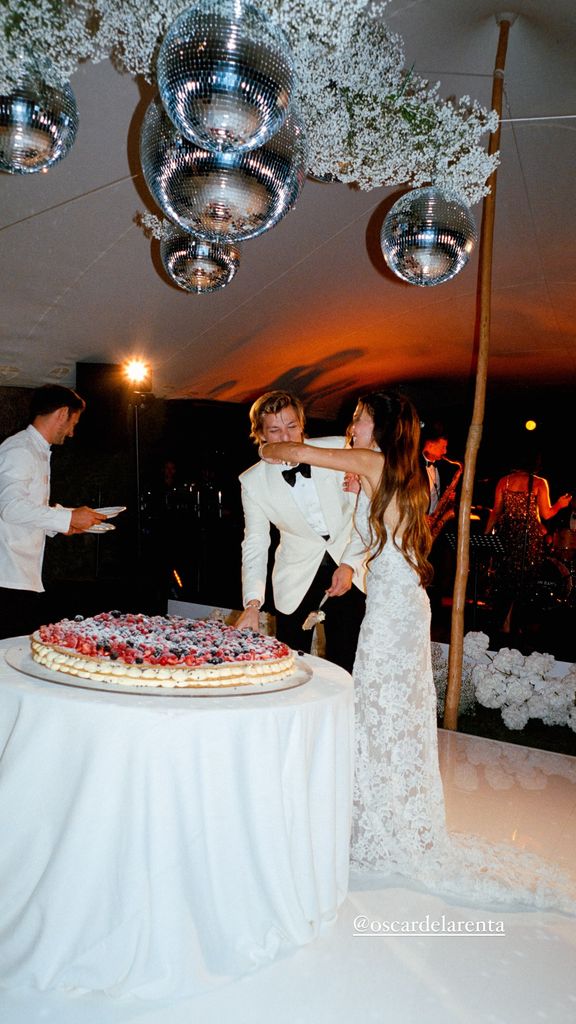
[158, 846]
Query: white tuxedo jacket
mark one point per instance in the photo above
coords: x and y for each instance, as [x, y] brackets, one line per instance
[267, 499]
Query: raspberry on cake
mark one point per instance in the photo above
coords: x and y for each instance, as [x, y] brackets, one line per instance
[165, 651]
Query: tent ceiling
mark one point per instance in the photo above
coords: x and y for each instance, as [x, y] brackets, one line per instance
[313, 306]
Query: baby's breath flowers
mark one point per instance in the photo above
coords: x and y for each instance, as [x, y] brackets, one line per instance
[369, 121]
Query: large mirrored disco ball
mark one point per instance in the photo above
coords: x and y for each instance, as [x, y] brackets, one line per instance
[225, 75]
[198, 266]
[38, 123]
[428, 236]
[222, 196]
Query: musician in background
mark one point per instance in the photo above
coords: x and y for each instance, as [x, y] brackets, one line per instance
[443, 479]
[441, 473]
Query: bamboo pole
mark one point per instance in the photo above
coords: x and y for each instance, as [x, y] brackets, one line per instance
[454, 682]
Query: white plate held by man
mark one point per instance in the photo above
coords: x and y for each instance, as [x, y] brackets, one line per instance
[111, 510]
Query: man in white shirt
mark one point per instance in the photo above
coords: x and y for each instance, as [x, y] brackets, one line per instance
[26, 517]
[319, 551]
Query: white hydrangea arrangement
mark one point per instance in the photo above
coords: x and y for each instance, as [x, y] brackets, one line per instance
[522, 686]
[368, 121]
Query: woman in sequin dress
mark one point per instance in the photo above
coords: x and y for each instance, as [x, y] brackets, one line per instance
[521, 502]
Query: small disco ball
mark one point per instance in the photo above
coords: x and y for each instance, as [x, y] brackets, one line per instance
[222, 196]
[198, 266]
[38, 123]
[225, 75]
[428, 236]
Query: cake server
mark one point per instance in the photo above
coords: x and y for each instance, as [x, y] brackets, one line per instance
[314, 618]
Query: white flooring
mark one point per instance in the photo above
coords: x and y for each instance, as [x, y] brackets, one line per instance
[528, 974]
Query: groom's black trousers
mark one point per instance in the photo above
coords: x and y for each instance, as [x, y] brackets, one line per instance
[341, 626]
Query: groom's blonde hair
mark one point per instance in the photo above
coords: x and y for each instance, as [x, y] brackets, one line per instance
[273, 401]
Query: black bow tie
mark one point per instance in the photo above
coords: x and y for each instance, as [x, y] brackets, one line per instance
[428, 463]
[290, 474]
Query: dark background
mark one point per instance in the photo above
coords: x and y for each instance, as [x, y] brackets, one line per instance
[186, 542]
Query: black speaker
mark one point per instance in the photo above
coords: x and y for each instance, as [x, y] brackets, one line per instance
[105, 421]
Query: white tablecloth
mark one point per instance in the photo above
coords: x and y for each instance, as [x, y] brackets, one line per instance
[158, 846]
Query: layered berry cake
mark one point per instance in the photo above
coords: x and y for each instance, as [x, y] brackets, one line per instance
[166, 651]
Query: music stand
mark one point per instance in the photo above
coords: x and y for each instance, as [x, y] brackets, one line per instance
[482, 547]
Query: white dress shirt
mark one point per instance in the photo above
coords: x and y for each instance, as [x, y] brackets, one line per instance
[306, 497]
[25, 515]
[434, 480]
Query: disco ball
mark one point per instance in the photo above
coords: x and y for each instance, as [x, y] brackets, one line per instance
[198, 266]
[428, 236]
[222, 196]
[38, 123]
[225, 75]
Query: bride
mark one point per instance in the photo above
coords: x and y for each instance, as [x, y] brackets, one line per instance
[399, 821]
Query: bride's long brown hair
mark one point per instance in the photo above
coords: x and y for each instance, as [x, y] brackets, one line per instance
[397, 434]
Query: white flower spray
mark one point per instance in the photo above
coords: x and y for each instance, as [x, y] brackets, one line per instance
[369, 121]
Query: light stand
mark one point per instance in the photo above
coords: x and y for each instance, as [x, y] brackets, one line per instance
[138, 374]
[137, 404]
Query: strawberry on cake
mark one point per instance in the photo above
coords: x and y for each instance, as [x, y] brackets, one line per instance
[161, 651]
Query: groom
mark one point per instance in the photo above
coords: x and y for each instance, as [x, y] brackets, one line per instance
[319, 551]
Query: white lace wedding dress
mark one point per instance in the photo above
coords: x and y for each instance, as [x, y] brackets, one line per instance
[399, 818]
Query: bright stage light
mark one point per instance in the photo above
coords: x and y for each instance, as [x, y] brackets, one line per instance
[137, 371]
[530, 425]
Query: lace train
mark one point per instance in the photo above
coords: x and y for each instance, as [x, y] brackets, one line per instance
[399, 823]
